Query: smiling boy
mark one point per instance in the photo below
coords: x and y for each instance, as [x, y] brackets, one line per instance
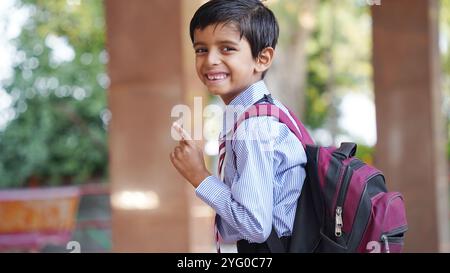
[256, 192]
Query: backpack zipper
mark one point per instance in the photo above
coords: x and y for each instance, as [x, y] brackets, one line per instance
[338, 211]
[354, 165]
[338, 226]
[384, 238]
[387, 237]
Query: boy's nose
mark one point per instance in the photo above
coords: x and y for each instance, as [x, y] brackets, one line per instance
[213, 58]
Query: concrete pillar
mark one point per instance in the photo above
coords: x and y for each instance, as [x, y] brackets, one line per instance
[411, 139]
[146, 41]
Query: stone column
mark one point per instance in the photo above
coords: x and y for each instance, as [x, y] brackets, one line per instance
[151, 204]
[410, 122]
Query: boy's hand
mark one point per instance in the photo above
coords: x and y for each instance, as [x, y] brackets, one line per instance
[188, 159]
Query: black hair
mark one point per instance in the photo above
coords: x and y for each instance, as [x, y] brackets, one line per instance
[254, 20]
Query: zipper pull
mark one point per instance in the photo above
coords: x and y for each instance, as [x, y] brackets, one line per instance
[386, 243]
[338, 227]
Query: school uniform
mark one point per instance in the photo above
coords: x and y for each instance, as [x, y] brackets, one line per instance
[261, 178]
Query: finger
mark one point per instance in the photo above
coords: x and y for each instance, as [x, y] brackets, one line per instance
[185, 136]
[174, 160]
[172, 157]
[183, 143]
[177, 150]
[180, 130]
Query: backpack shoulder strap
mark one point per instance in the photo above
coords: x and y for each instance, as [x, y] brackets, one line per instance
[270, 109]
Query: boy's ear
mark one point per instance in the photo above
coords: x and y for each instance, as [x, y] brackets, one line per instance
[264, 59]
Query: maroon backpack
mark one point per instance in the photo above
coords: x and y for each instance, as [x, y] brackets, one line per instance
[344, 205]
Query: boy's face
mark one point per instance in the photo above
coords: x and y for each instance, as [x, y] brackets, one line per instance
[224, 61]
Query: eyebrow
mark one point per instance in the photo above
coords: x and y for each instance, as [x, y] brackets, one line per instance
[198, 43]
[219, 42]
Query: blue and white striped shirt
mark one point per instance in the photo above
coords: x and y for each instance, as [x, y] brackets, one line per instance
[263, 181]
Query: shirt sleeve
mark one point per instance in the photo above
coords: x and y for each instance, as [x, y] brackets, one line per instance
[248, 205]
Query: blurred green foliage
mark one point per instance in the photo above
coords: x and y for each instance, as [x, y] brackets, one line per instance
[365, 153]
[58, 135]
[338, 58]
[338, 51]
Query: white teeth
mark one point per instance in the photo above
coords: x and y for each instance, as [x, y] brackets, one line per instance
[220, 76]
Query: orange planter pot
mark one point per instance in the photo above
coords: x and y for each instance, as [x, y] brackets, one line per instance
[33, 218]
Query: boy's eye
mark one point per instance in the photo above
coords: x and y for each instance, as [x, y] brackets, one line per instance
[228, 49]
[200, 50]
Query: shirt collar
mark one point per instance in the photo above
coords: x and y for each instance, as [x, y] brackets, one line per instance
[240, 103]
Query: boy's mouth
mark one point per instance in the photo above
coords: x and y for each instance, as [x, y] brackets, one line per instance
[215, 77]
